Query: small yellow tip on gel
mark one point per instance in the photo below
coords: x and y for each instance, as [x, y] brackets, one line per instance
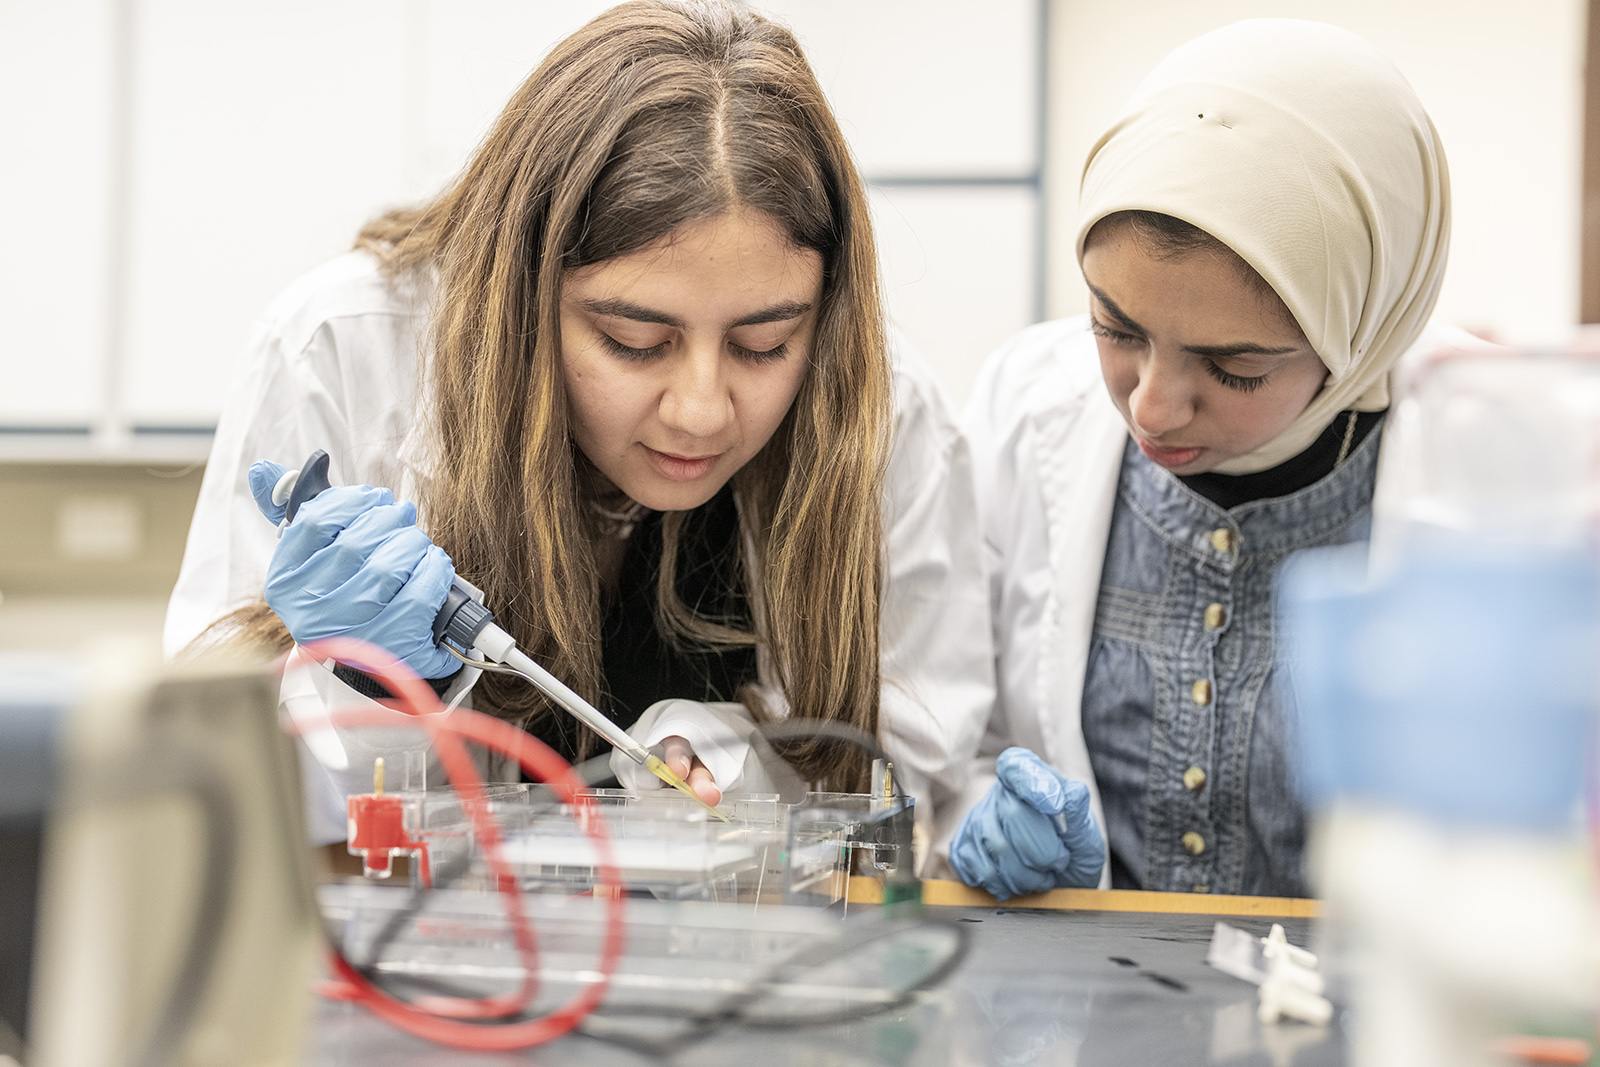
[658, 767]
[377, 776]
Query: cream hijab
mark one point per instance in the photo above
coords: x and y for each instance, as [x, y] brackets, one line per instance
[1305, 151]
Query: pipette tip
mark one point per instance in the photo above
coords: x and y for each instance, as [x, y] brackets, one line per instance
[658, 767]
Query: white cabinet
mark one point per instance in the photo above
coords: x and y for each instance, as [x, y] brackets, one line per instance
[941, 101]
[56, 269]
[154, 208]
[263, 134]
[466, 59]
[928, 88]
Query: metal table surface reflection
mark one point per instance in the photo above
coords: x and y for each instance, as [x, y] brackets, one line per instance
[1039, 989]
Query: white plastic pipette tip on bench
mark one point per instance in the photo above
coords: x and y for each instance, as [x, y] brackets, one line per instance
[1290, 987]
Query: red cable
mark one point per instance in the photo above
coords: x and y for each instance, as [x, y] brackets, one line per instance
[437, 1018]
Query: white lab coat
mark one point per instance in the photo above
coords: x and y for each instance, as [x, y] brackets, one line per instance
[1047, 446]
[337, 363]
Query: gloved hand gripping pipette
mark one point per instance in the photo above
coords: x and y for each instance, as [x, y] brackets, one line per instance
[462, 623]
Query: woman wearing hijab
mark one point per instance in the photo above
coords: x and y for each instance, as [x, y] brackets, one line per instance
[1264, 235]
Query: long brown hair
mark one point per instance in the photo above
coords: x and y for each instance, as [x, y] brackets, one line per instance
[654, 114]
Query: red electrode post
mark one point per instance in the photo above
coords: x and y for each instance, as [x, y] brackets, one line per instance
[377, 830]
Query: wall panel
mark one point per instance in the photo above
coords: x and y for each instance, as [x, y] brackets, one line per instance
[958, 268]
[56, 71]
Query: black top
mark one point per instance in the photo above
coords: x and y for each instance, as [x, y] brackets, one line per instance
[640, 665]
[1228, 491]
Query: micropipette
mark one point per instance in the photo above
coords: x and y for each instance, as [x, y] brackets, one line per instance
[464, 623]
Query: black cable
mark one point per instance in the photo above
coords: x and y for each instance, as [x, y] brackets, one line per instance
[731, 1010]
[901, 883]
[704, 1024]
[824, 730]
[442, 878]
[590, 771]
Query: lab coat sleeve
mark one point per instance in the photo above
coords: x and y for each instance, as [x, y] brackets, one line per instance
[331, 365]
[281, 409]
[723, 736]
[1015, 556]
[938, 660]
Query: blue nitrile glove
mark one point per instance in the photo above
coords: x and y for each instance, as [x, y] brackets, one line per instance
[1032, 831]
[264, 475]
[354, 564]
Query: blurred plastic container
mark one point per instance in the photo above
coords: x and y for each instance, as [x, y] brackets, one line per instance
[1504, 449]
[1461, 686]
[1447, 700]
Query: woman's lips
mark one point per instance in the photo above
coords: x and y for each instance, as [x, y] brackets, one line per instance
[681, 468]
[1168, 457]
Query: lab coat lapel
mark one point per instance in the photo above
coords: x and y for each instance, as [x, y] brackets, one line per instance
[1080, 458]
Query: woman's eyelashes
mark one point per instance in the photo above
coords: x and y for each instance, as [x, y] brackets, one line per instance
[628, 352]
[770, 355]
[644, 355]
[1231, 381]
[1235, 381]
[1116, 337]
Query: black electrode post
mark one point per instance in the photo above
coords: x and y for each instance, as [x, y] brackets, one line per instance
[902, 889]
[894, 850]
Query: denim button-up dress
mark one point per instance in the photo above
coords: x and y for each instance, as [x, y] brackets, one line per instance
[1187, 730]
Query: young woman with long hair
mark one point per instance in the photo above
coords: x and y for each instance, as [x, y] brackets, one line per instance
[632, 369]
[1264, 234]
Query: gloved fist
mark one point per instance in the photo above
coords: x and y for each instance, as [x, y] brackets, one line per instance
[1032, 831]
[354, 564]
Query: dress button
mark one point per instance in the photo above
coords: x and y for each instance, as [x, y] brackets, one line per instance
[1215, 614]
[1201, 691]
[1222, 540]
[1193, 843]
[1194, 779]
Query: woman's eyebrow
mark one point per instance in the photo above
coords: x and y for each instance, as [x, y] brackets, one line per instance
[791, 309]
[1241, 348]
[623, 309]
[1115, 312]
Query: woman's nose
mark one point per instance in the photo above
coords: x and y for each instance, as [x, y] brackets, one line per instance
[697, 401]
[1161, 403]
